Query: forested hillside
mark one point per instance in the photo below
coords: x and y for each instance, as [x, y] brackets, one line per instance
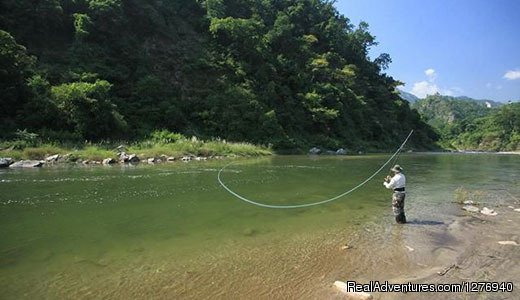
[283, 72]
[471, 125]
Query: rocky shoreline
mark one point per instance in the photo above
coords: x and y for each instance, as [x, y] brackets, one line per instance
[123, 158]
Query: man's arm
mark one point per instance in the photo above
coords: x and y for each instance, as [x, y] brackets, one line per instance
[390, 184]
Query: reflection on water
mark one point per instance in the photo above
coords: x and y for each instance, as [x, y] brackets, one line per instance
[170, 231]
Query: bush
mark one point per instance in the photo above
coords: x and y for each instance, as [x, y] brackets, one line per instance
[166, 137]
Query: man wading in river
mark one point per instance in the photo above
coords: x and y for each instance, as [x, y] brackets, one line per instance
[397, 183]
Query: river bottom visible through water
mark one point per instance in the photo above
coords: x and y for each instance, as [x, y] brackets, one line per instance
[171, 231]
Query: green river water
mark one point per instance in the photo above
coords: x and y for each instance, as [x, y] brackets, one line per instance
[171, 231]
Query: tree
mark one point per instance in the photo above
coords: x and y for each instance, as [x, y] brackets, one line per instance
[89, 109]
[16, 66]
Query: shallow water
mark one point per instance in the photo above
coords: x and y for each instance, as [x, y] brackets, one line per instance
[170, 230]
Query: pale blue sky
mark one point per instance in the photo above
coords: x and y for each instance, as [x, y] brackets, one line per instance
[455, 47]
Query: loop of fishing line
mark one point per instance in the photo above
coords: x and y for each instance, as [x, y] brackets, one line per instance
[313, 203]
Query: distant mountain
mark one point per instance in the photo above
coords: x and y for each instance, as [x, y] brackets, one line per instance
[464, 123]
[443, 111]
[412, 99]
[407, 96]
[488, 103]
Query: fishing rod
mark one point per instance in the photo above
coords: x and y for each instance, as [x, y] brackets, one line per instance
[395, 161]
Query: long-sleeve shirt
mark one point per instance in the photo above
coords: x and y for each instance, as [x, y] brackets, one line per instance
[398, 181]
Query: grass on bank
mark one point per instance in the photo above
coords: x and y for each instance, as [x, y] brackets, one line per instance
[160, 143]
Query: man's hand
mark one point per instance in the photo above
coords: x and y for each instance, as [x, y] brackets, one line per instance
[388, 178]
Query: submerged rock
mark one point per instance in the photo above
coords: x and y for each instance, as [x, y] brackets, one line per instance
[409, 248]
[346, 247]
[249, 232]
[27, 164]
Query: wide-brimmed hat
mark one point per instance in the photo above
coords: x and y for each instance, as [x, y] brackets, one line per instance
[397, 168]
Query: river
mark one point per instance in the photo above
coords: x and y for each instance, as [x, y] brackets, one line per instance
[171, 231]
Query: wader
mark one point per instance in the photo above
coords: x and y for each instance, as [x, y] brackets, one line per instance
[398, 206]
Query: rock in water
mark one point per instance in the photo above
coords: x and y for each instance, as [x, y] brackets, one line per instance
[512, 243]
[315, 150]
[123, 157]
[341, 151]
[249, 232]
[471, 208]
[27, 164]
[109, 161]
[52, 158]
[5, 162]
[132, 158]
[488, 212]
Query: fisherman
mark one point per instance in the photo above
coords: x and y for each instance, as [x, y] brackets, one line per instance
[397, 182]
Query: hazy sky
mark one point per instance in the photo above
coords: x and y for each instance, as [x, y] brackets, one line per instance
[454, 47]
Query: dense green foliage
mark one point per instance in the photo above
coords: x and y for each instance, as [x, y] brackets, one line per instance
[471, 125]
[499, 131]
[283, 72]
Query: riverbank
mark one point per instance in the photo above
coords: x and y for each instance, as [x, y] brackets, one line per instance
[146, 151]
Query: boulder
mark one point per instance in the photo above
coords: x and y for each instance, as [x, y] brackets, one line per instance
[470, 208]
[170, 159]
[315, 150]
[109, 161]
[52, 158]
[27, 164]
[132, 158]
[151, 160]
[123, 157]
[341, 151]
[5, 162]
[488, 212]
[186, 158]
